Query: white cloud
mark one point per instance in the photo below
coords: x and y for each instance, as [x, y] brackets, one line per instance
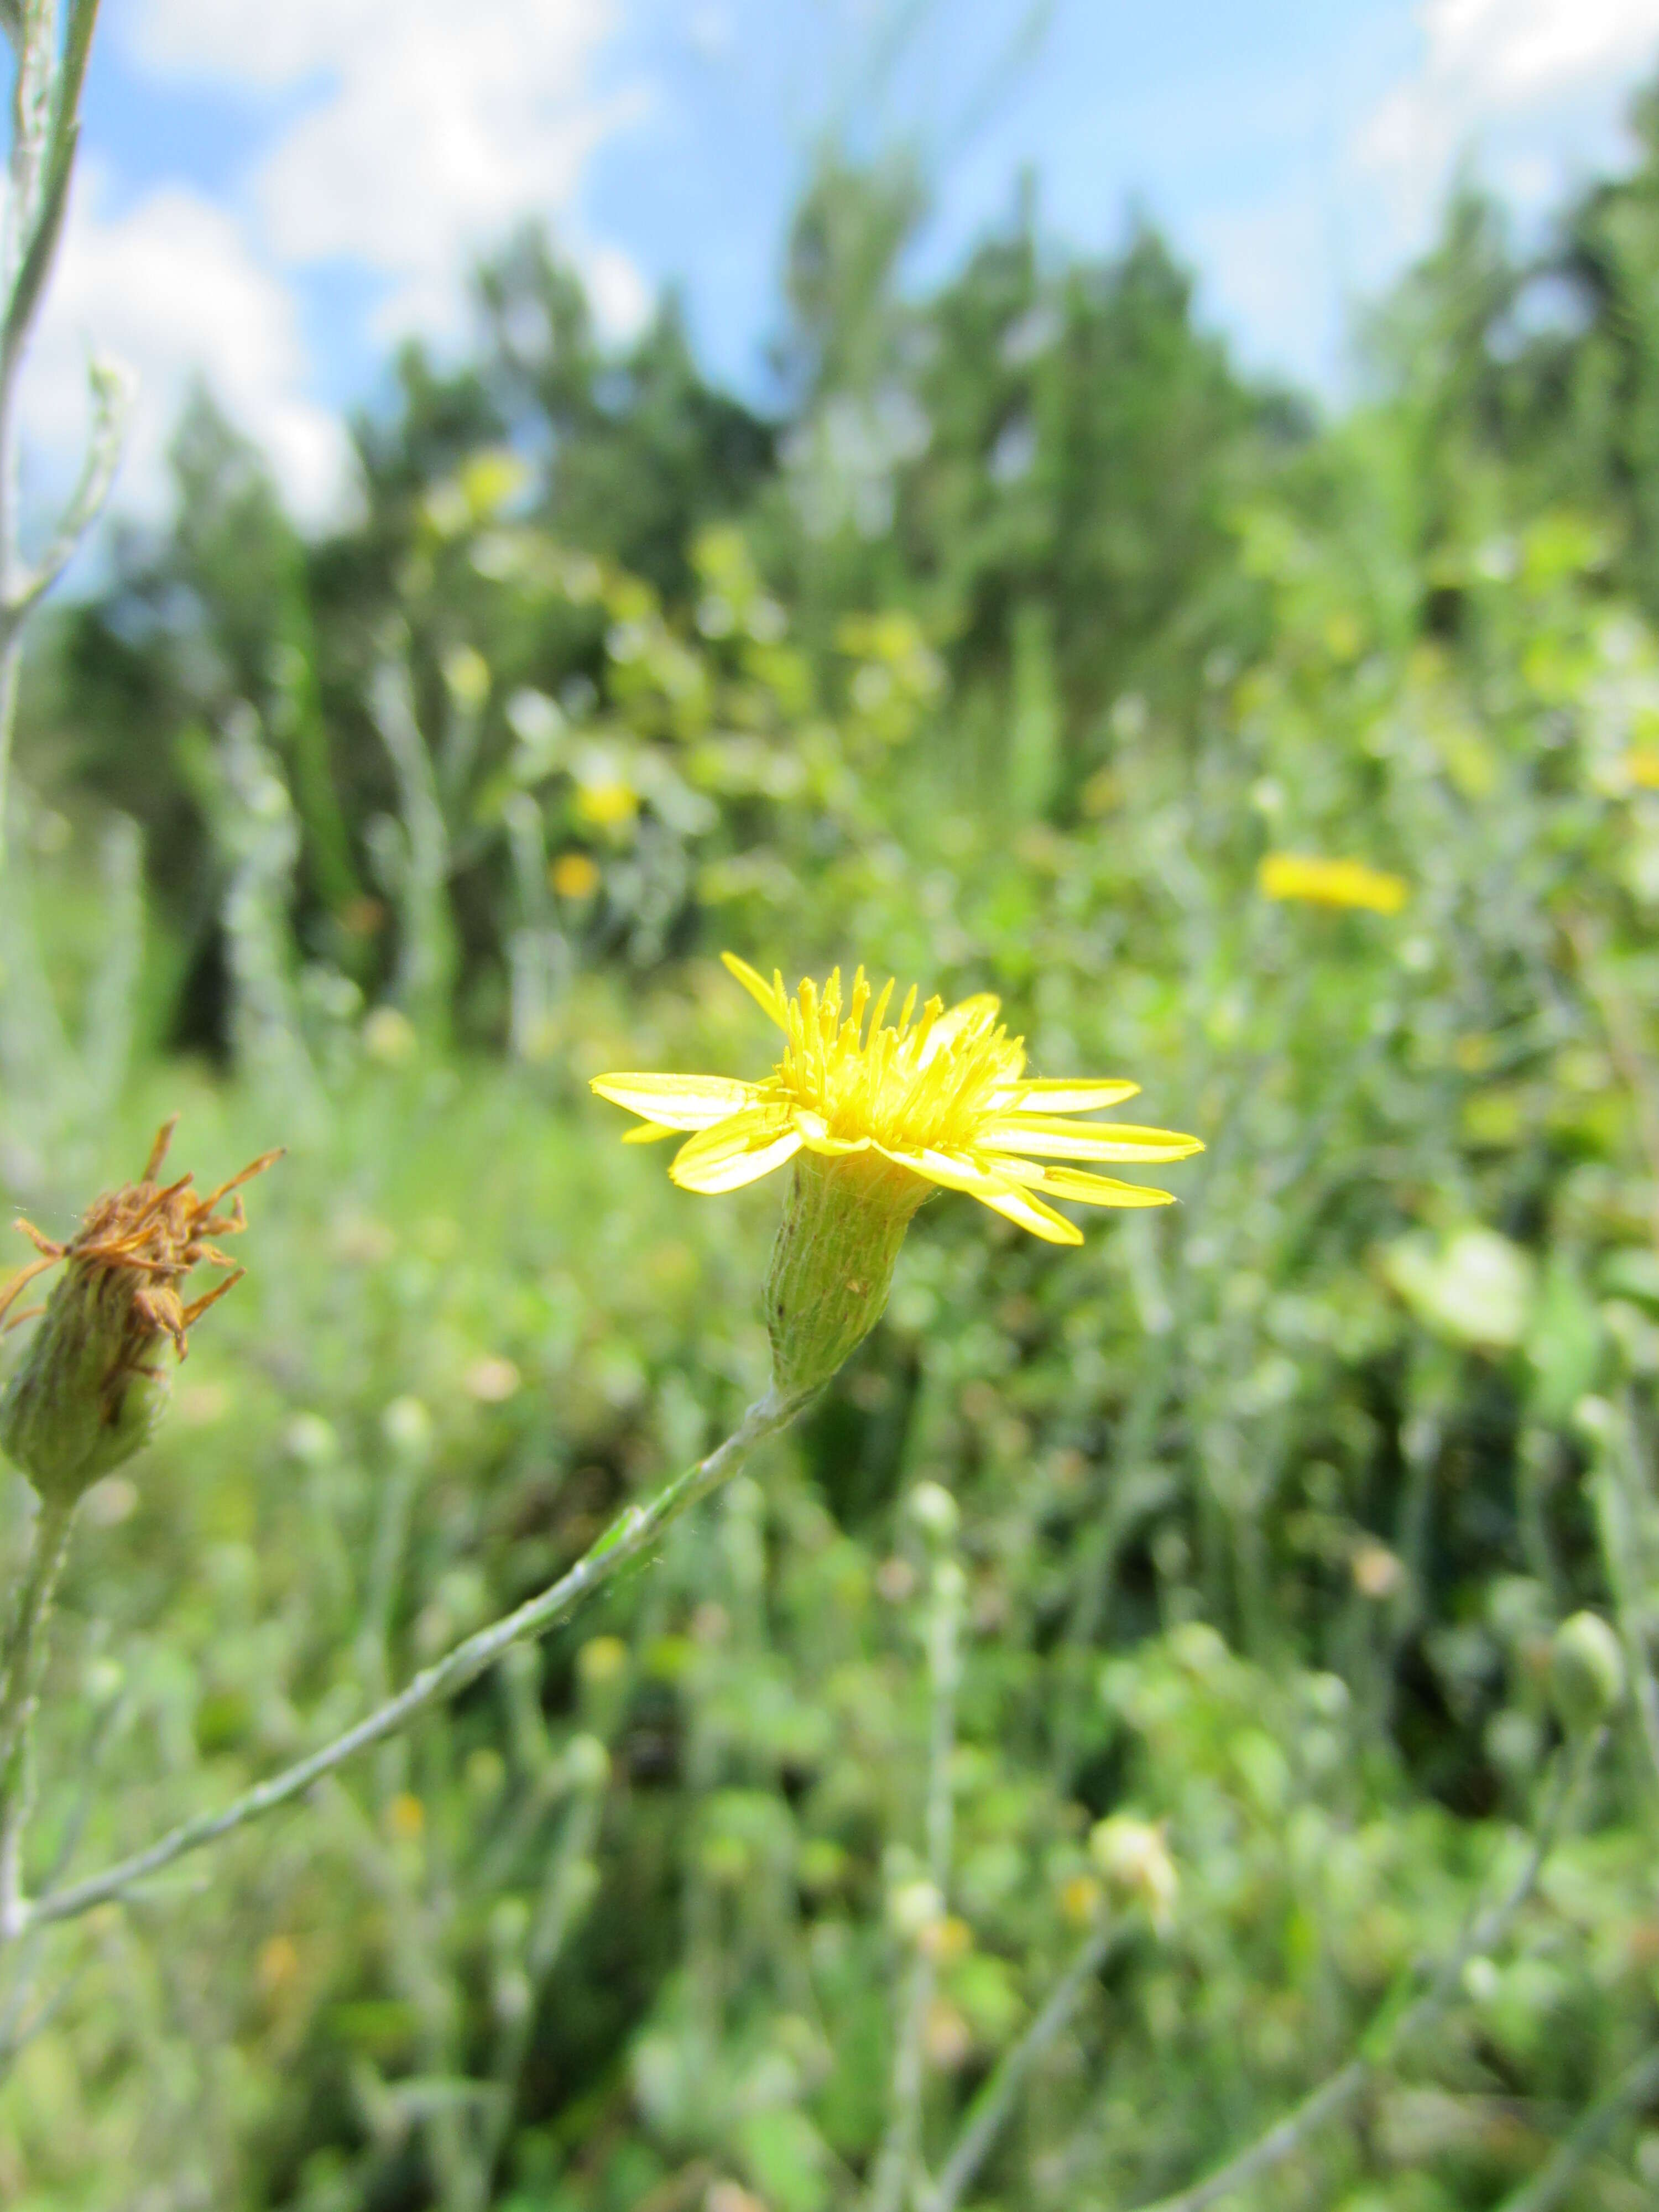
[423, 129]
[621, 298]
[169, 285]
[1537, 85]
[1518, 52]
[399, 136]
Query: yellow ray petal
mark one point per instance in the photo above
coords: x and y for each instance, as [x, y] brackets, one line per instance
[737, 1151]
[1044, 1137]
[768, 997]
[1095, 1190]
[950, 1170]
[814, 1133]
[677, 1101]
[650, 1132]
[1064, 1095]
[1031, 1213]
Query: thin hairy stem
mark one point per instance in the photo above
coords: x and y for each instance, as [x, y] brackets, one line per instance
[1616, 1492]
[630, 1534]
[1392, 2031]
[990, 2110]
[897, 2163]
[25, 1662]
[1635, 2087]
[52, 49]
[565, 1891]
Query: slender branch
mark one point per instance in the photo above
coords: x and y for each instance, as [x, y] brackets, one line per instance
[565, 1891]
[1391, 2032]
[48, 1540]
[897, 2160]
[627, 1538]
[1633, 2089]
[25, 1662]
[111, 388]
[1623, 1031]
[1613, 1493]
[50, 71]
[1331, 2098]
[990, 2108]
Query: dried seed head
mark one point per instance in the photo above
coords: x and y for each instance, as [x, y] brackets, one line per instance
[88, 1392]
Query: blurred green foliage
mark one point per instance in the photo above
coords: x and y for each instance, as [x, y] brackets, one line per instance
[1001, 661]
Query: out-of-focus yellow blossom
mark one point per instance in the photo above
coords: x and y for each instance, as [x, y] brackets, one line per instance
[1642, 767]
[941, 1098]
[1331, 882]
[607, 806]
[405, 1816]
[467, 674]
[574, 876]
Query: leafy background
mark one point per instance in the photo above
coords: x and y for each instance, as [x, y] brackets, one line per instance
[999, 660]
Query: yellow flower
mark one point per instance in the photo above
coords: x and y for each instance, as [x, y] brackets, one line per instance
[1642, 767]
[943, 1098]
[573, 875]
[1331, 882]
[608, 806]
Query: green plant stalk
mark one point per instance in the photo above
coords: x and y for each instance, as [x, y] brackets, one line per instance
[25, 1662]
[1394, 2026]
[564, 1892]
[45, 133]
[1633, 2089]
[989, 2111]
[630, 1534]
[1614, 1490]
[897, 2163]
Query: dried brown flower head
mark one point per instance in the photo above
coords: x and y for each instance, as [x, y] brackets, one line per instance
[89, 1394]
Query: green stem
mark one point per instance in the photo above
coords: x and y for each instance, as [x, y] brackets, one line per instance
[1393, 2031]
[990, 2108]
[25, 1662]
[563, 1894]
[897, 2163]
[627, 1538]
[1561, 2169]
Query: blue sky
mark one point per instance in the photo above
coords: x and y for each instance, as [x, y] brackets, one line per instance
[275, 190]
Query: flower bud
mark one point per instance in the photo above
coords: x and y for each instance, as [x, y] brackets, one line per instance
[1135, 1860]
[587, 1763]
[913, 1908]
[88, 1394]
[407, 1427]
[1586, 1672]
[832, 1263]
[933, 1510]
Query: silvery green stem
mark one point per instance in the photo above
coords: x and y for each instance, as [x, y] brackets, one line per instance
[1614, 1489]
[25, 1661]
[1634, 2089]
[426, 959]
[630, 1534]
[568, 1884]
[51, 50]
[1392, 2031]
[991, 2108]
[898, 2159]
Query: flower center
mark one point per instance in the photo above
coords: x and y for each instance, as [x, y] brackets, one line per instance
[923, 1084]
